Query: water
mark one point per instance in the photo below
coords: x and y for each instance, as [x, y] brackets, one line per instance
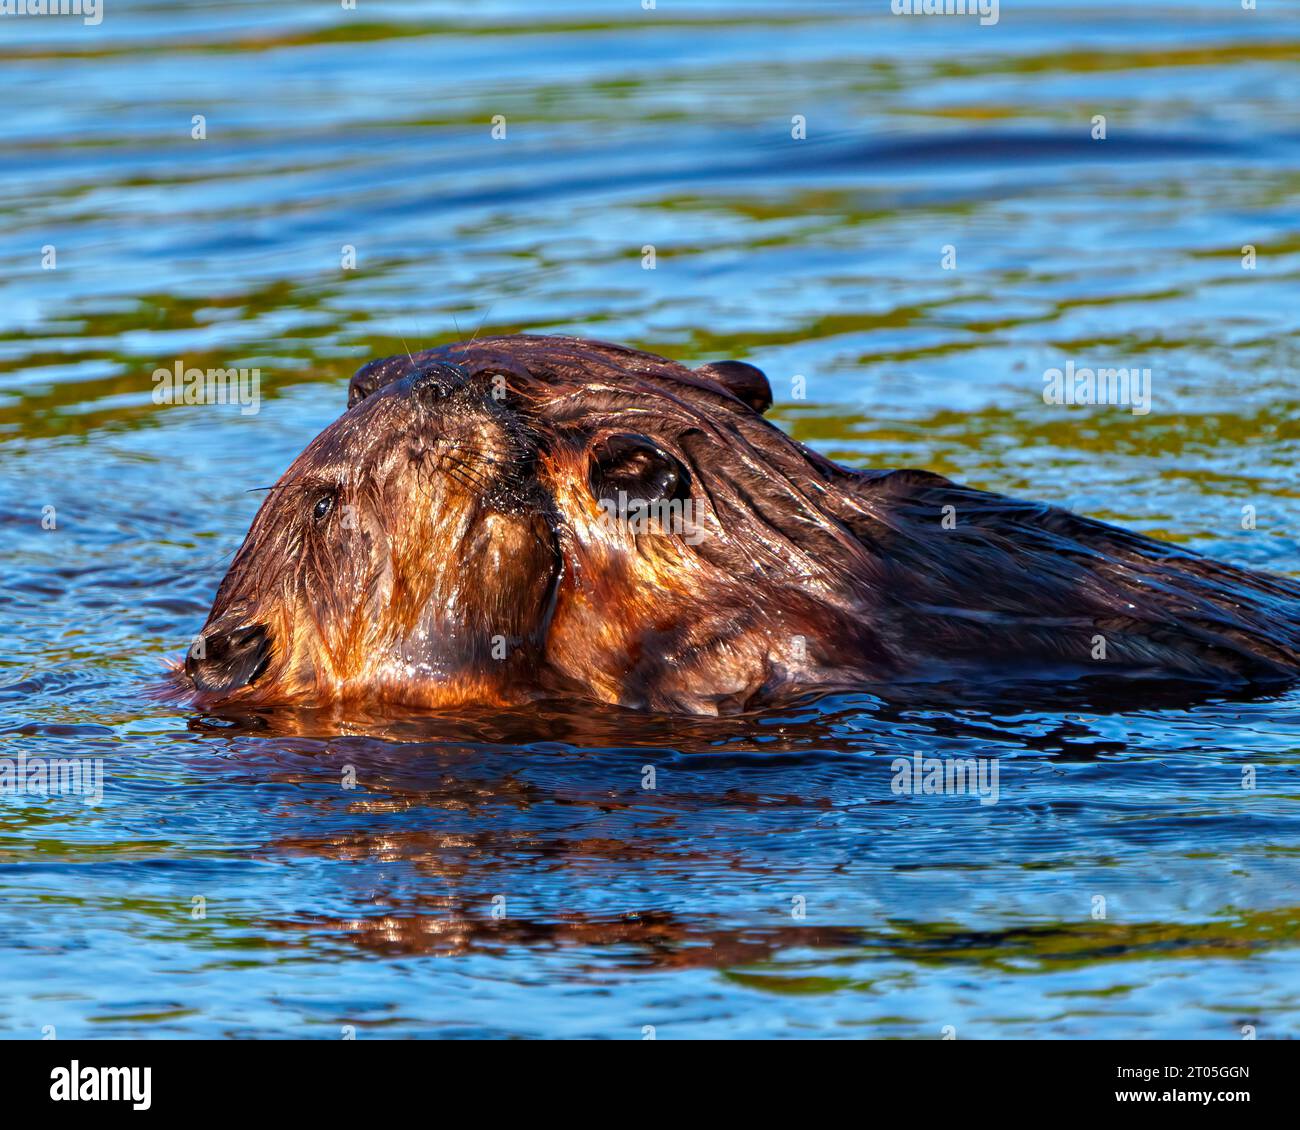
[510, 875]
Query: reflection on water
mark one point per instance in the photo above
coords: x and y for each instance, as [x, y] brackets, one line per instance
[578, 871]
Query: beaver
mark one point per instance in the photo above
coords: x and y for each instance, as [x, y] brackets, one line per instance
[522, 517]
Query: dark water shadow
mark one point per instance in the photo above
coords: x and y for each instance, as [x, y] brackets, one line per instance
[810, 725]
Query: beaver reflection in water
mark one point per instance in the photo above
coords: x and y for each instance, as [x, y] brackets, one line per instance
[522, 517]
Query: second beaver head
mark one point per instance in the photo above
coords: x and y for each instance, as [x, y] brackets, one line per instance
[527, 516]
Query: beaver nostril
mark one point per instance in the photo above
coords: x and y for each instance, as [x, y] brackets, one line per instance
[436, 379]
[226, 661]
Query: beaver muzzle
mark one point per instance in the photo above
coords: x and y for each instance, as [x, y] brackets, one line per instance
[224, 661]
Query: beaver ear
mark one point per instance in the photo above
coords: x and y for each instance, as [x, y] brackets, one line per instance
[636, 468]
[742, 380]
[373, 375]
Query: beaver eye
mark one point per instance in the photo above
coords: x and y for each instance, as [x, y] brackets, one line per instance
[635, 466]
[323, 506]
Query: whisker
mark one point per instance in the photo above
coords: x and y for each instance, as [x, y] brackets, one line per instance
[455, 476]
[218, 561]
[483, 456]
[469, 472]
[482, 323]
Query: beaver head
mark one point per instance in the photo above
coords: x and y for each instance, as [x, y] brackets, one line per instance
[524, 516]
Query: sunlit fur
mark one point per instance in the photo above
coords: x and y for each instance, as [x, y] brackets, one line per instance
[373, 603]
[467, 560]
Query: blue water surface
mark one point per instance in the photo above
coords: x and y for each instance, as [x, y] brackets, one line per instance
[510, 875]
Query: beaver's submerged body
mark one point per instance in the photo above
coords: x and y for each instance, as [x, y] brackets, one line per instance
[525, 516]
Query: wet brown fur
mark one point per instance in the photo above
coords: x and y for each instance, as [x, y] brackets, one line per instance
[477, 565]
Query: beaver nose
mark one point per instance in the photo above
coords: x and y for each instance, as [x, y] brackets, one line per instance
[437, 379]
[226, 661]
